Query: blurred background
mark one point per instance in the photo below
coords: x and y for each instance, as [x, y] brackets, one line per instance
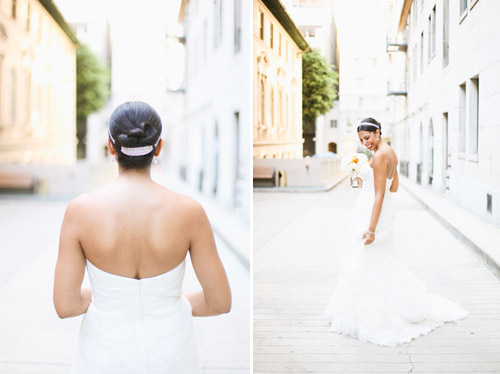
[64, 66]
[321, 66]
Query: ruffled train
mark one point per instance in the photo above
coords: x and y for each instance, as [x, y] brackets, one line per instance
[377, 298]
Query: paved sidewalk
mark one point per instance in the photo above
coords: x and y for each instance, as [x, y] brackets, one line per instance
[34, 340]
[480, 236]
[297, 254]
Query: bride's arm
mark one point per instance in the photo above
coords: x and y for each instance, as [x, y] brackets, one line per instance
[395, 182]
[215, 298]
[379, 164]
[70, 299]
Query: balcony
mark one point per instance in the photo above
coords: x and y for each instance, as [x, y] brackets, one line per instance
[396, 44]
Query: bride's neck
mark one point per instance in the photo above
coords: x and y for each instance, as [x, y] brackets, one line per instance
[134, 174]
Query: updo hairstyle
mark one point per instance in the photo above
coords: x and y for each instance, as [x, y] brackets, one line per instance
[370, 124]
[135, 130]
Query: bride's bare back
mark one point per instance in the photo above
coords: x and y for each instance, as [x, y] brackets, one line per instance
[136, 229]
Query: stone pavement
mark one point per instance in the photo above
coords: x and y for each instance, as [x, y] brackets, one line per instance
[34, 340]
[482, 237]
[297, 254]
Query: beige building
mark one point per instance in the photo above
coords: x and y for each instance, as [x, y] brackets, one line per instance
[37, 84]
[277, 82]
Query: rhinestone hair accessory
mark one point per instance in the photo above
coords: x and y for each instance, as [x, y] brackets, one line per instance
[369, 124]
[136, 151]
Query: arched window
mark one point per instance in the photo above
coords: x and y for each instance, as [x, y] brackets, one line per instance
[332, 147]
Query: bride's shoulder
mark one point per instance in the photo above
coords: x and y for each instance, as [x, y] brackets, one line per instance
[381, 156]
[184, 205]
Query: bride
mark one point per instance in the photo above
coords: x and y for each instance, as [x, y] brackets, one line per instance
[133, 236]
[377, 299]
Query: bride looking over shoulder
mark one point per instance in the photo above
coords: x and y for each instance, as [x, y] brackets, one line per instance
[377, 298]
[384, 164]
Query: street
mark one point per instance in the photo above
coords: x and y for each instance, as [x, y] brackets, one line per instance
[298, 248]
[34, 340]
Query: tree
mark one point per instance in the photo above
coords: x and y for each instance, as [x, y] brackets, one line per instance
[319, 82]
[92, 91]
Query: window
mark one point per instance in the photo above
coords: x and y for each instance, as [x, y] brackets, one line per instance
[239, 164]
[279, 44]
[432, 34]
[205, 41]
[273, 119]
[463, 6]
[430, 158]
[472, 136]
[281, 106]
[271, 36]
[27, 96]
[287, 108]
[261, 25]
[13, 9]
[461, 119]
[262, 101]
[413, 12]
[28, 11]
[217, 22]
[414, 63]
[446, 32]
[333, 123]
[422, 52]
[237, 26]
[13, 94]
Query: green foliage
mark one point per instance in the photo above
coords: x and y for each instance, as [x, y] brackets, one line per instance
[92, 83]
[319, 82]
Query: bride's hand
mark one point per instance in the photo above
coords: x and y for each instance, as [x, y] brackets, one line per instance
[359, 180]
[368, 238]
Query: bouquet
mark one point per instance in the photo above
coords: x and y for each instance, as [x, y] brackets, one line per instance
[354, 163]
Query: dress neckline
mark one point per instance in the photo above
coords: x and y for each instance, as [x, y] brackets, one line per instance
[136, 279]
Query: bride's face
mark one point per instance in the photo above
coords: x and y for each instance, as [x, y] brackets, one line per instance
[368, 139]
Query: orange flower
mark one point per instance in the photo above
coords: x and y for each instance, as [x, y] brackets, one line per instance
[355, 159]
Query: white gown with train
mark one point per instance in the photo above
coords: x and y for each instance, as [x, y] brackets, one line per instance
[377, 299]
[137, 326]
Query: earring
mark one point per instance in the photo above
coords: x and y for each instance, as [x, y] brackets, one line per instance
[113, 160]
[155, 161]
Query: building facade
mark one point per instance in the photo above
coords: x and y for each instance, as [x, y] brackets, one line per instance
[37, 85]
[447, 131]
[277, 82]
[210, 147]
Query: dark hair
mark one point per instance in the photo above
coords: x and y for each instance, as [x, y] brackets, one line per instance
[370, 128]
[134, 124]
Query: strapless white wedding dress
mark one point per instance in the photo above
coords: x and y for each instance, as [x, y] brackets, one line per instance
[137, 326]
[377, 299]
